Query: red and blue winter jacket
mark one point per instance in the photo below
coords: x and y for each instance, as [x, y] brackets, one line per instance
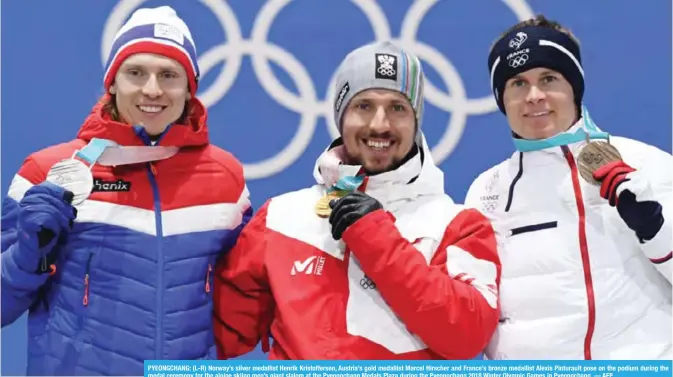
[132, 280]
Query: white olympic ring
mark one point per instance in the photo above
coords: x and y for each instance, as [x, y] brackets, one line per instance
[386, 71]
[307, 103]
[518, 61]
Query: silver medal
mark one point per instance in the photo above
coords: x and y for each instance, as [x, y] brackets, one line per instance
[73, 175]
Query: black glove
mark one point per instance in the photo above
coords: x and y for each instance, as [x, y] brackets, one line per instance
[44, 212]
[349, 209]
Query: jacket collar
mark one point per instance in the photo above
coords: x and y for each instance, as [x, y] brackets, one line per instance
[579, 132]
[418, 176]
[99, 125]
[553, 154]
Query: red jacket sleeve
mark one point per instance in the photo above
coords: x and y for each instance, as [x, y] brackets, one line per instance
[242, 299]
[452, 302]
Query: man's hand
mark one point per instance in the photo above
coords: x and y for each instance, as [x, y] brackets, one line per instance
[349, 209]
[644, 217]
[611, 176]
[44, 213]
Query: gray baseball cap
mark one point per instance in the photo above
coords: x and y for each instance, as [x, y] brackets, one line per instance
[380, 65]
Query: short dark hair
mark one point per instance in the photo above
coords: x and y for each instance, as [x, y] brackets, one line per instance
[542, 21]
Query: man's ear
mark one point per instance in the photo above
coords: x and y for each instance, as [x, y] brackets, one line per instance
[113, 89]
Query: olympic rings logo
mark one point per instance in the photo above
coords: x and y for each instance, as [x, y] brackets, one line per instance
[367, 283]
[307, 103]
[387, 71]
[386, 68]
[518, 61]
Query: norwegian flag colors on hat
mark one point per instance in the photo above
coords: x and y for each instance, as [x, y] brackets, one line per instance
[157, 31]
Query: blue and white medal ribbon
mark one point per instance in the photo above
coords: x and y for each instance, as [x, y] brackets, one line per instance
[342, 187]
[594, 154]
[74, 175]
[587, 132]
[339, 179]
[347, 183]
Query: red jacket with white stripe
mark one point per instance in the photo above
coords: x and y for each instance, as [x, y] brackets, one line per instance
[576, 282]
[417, 280]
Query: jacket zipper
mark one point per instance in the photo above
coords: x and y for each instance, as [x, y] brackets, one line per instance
[159, 341]
[85, 299]
[210, 270]
[584, 251]
[43, 262]
[510, 195]
[152, 174]
[45, 266]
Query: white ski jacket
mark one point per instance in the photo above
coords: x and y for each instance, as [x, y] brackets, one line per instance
[576, 282]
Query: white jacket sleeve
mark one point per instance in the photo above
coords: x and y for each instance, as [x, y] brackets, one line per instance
[473, 193]
[653, 180]
[473, 200]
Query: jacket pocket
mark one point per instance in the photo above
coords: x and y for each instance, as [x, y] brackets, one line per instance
[532, 228]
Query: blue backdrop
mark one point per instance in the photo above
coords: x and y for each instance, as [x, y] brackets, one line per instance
[267, 68]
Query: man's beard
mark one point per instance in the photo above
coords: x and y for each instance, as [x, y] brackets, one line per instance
[394, 165]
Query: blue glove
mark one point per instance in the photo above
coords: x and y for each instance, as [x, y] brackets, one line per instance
[642, 216]
[44, 213]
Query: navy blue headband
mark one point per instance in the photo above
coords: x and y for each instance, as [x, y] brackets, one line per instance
[535, 47]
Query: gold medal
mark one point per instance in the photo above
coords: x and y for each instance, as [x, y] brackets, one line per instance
[322, 207]
[593, 156]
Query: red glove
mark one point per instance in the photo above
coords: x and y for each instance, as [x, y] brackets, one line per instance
[611, 176]
[642, 216]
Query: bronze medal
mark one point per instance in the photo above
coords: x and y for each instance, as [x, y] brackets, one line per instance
[322, 207]
[594, 155]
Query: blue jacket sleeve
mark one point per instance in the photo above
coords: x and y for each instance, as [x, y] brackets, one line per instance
[19, 287]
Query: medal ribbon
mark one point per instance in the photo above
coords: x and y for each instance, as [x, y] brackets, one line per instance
[75, 176]
[588, 131]
[108, 153]
[336, 175]
[347, 183]
[344, 185]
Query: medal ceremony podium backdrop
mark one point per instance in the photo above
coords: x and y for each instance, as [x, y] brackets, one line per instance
[267, 68]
